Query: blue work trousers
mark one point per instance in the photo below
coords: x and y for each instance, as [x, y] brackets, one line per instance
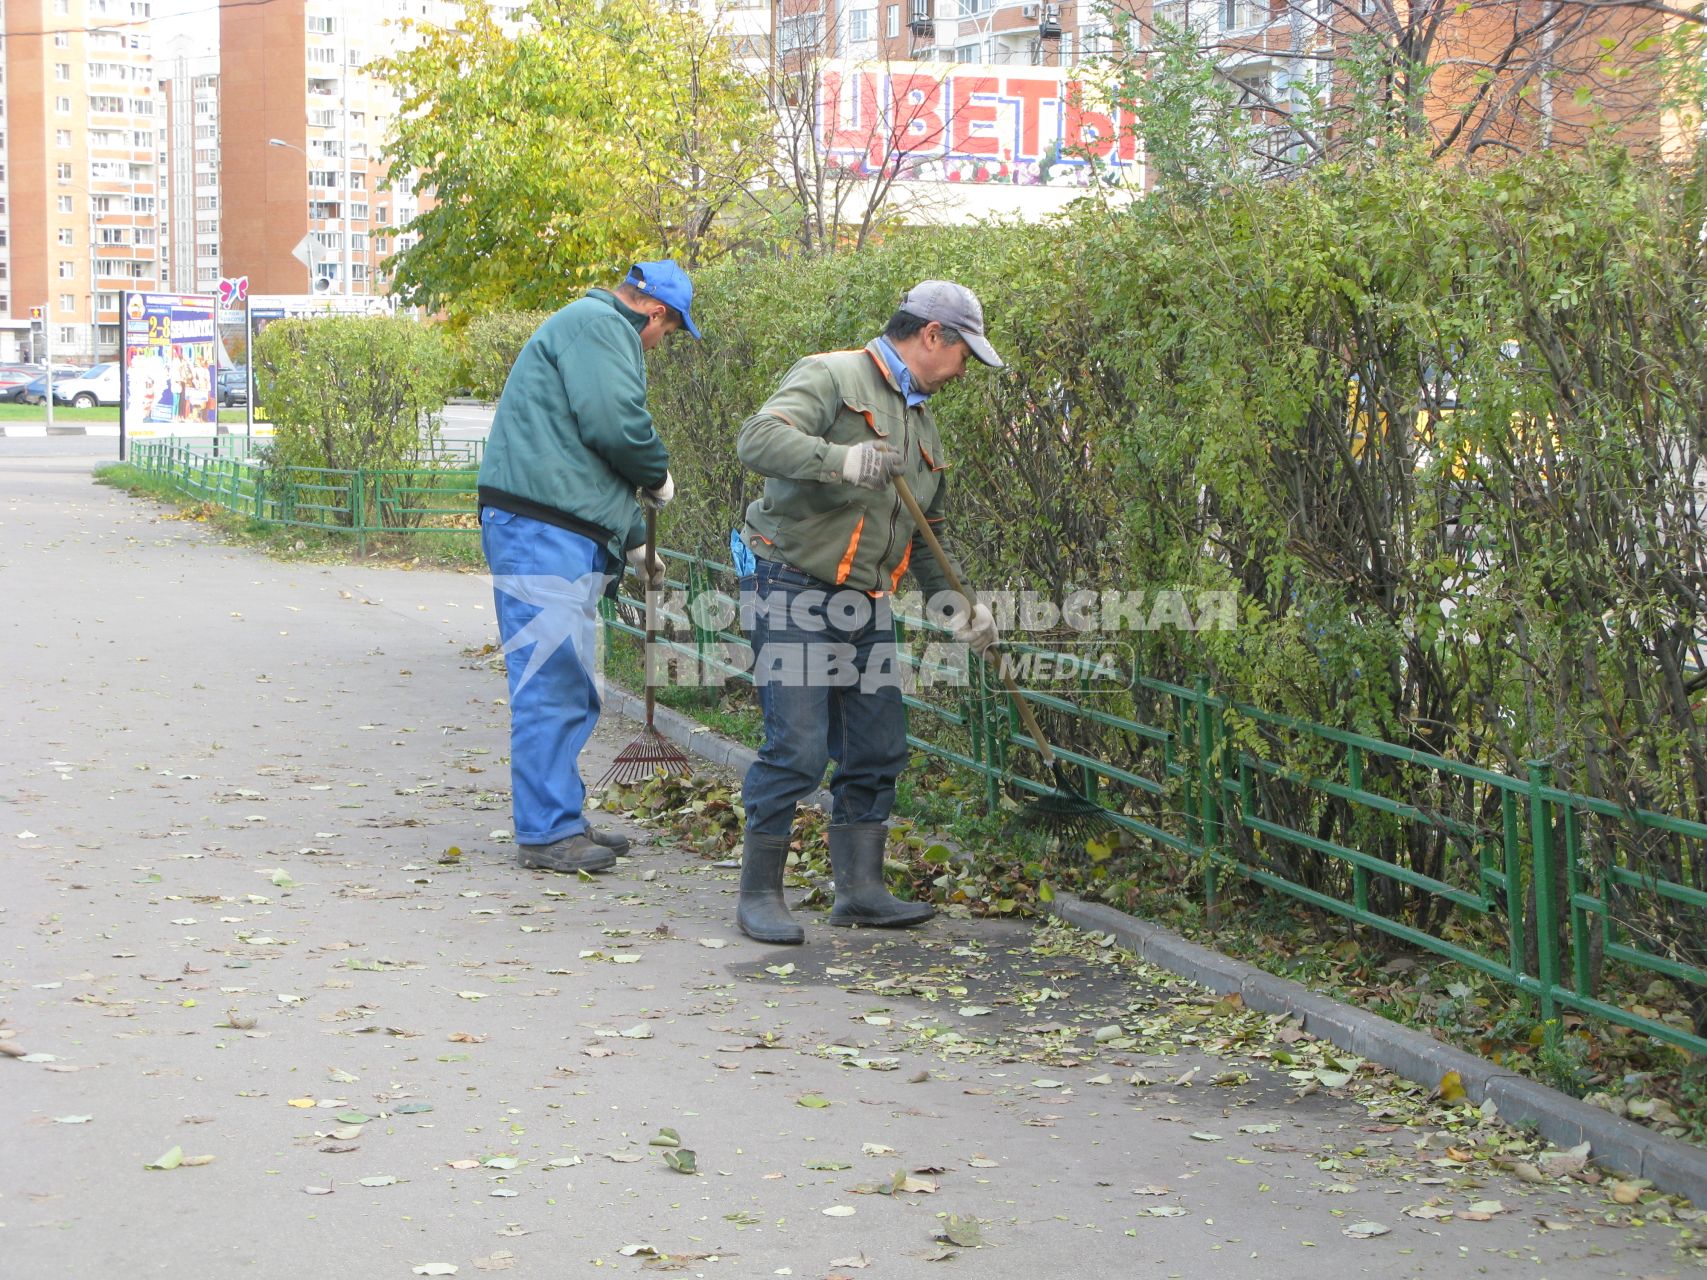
[546, 584]
[828, 674]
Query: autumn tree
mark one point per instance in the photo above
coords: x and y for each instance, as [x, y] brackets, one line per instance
[552, 152]
[1294, 83]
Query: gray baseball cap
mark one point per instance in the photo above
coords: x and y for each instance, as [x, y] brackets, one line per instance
[956, 307]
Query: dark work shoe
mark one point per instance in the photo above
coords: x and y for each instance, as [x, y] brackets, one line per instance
[575, 853]
[615, 841]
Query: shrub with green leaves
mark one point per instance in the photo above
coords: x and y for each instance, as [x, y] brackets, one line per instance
[349, 392]
[490, 345]
[1441, 431]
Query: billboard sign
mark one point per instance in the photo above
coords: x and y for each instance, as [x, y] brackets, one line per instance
[964, 122]
[169, 355]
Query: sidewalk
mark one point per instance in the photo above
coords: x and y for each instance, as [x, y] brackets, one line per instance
[230, 788]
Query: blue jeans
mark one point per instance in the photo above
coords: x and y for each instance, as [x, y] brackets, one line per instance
[546, 584]
[828, 673]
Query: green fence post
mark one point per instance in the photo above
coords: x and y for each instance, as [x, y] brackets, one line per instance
[1541, 876]
[1208, 796]
[1359, 875]
[357, 516]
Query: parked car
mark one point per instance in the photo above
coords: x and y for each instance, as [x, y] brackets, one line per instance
[96, 385]
[14, 376]
[233, 386]
[35, 390]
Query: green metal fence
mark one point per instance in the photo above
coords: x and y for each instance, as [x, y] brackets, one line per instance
[1225, 784]
[436, 495]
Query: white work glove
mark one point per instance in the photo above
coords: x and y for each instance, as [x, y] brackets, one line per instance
[979, 631]
[872, 464]
[651, 575]
[659, 498]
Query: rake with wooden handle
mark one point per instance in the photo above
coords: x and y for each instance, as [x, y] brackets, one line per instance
[651, 753]
[1063, 811]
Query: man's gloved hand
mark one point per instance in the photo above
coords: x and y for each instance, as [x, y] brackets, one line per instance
[979, 631]
[659, 498]
[651, 575]
[872, 464]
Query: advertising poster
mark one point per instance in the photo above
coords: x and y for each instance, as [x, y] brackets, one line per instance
[170, 354]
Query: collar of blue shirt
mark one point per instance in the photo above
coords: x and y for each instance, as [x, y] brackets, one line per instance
[903, 375]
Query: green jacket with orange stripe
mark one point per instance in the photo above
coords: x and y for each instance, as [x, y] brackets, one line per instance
[808, 516]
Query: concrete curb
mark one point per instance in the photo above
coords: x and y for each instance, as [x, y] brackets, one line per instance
[1673, 1166]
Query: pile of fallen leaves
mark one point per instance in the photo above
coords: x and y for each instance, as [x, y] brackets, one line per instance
[999, 874]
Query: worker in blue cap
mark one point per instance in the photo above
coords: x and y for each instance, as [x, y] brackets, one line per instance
[571, 458]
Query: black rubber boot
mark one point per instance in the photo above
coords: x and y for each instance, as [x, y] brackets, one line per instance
[856, 861]
[763, 915]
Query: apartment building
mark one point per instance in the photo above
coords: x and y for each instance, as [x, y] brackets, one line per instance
[81, 157]
[189, 166]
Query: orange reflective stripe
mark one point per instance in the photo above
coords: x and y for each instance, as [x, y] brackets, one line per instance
[895, 582]
[846, 566]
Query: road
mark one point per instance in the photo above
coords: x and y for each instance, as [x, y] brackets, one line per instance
[235, 928]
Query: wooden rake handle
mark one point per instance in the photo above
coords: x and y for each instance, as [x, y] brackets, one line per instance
[930, 537]
[651, 617]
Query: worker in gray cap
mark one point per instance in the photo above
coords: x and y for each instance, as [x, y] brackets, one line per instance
[830, 540]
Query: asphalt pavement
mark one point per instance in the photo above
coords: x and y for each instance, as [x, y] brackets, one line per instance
[262, 924]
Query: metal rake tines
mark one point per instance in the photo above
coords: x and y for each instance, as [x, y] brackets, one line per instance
[650, 753]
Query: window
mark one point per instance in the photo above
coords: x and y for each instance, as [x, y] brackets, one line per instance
[322, 177]
[797, 32]
[894, 21]
[358, 242]
[114, 235]
[62, 137]
[860, 24]
[62, 71]
[144, 235]
[107, 301]
[64, 172]
[67, 269]
[358, 180]
[142, 204]
[61, 39]
[323, 209]
[62, 106]
[323, 26]
[67, 336]
[325, 147]
[321, 54]
[142, 139]
[968, 52]
[107, 102]
[67, 236]
[358, 211]
[67, 301]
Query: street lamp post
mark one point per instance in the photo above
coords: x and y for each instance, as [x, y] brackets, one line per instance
[313, 256]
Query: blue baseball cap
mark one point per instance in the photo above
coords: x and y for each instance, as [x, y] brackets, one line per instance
[668, 283]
